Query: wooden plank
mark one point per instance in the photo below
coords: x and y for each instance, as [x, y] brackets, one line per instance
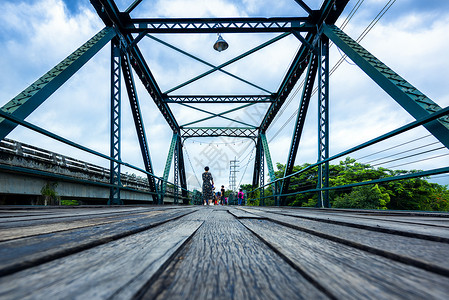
[67, 224]
[346, 272]
[36, 216]
[424, 254]
[104, 271]
[224, 260]
[240, 213]
[440, 219]
[18, 254]
[430, 232]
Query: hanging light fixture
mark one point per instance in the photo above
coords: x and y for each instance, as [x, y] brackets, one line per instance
[220, 44]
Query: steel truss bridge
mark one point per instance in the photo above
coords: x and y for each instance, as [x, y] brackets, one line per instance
[315, 32]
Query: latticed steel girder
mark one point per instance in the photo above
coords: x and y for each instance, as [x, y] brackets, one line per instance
[138, 122]
[256, 170]
[220, 25]
[115, 167]
[300, 120]
[171, 151]
[143, 71]
[410, 98]
[266, 150]
[328, 13]
[27, 101]
[220, 99]
[111, 16]
[240, 132]
[181, 171]
[323, 121]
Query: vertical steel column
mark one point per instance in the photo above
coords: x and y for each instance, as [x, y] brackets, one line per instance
[114, 196]
[262, 176]
[174, 141]
[256, 172]
[176, 174]
[182, 172]
[270, 168]
[323, 120]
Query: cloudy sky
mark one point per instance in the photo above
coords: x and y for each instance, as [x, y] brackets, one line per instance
[411, 38]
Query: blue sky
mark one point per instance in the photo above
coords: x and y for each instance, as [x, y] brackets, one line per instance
[35, 35]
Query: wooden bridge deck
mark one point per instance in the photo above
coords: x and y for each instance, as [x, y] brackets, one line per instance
[221, 253]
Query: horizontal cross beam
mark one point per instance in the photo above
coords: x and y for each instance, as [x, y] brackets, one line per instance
[220, 25]
[241, 132]
[220, 99]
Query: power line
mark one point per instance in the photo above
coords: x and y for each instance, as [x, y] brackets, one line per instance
[408, 156]
[429, 158]
[191, 166]
[249, 160]
[417, 139]
[351, 14]
[402, 152]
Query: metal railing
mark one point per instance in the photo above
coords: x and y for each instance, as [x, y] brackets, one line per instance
[49, 157]
[277, 183]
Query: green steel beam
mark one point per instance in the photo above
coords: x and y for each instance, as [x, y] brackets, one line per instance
[241, 132]
[275, 39]
[138, 122]
[132, 6]
[29, 99]
[268, 157]
[173, 143]
[221, 99]
[219, 25]
[220, 115]
[115, 121]
[329, 12]
[323, 120]
[182, 172]
[300, 121]
[410, 98]
[206, 63]
[256, 165]
[269, 163]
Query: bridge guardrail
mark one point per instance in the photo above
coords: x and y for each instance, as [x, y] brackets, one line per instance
[20, 154]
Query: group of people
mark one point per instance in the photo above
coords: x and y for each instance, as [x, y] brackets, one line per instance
[218, 198]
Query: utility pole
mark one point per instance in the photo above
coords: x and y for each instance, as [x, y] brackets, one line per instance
[232, 174]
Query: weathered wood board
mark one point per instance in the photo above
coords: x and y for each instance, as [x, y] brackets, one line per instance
[225, 261]
[221, 252]
[423, 253]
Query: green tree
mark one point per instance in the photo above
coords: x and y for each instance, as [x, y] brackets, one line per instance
[366, 197]
[414, 194]
[50, 197]
[410, 194]
[301, 182]
[440, 198]
[252, 198]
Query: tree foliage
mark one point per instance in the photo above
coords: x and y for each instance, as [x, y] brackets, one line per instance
[409, 194]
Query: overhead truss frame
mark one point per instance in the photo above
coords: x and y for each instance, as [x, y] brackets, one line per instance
[312, 31]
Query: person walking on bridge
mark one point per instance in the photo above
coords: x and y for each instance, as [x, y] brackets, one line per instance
[208, 185]
[222, 200]
[240, 196]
